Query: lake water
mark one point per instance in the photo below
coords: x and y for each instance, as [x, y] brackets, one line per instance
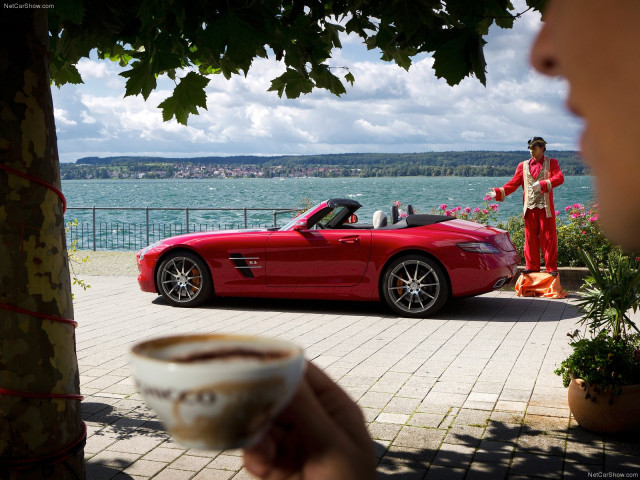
[424, 193]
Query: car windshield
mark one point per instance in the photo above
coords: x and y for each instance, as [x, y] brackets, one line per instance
[326, 217]
[292, 222]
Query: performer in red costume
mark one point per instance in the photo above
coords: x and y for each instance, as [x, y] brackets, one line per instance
[537, 177]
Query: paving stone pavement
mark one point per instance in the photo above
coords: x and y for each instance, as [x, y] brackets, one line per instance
[469, 394]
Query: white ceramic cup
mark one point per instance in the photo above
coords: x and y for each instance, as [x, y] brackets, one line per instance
[217, 392]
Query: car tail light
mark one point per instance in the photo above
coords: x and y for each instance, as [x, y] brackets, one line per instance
[504, 242]
[479, 247]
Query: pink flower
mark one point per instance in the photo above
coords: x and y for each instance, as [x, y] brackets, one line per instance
[467, 209]
[484, 210]
[397, 203]
[443, 206]
[567, 208]
[557, 212]
[494, 207]
[448, 213]
[576, 205]
[584, 232]
[487, 198]
[456, 209]
[594, 218]
[476, 210]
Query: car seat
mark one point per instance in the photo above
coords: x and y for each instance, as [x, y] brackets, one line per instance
[379, 219]
[394, 214]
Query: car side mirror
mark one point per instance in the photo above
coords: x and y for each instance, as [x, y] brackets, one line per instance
[301, 225]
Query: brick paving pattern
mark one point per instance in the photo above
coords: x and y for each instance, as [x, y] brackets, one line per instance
[470, 394]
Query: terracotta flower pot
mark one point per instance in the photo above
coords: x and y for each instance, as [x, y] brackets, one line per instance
[623, 415]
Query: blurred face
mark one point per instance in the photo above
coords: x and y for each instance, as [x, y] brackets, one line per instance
[536, 151]
[596, 47]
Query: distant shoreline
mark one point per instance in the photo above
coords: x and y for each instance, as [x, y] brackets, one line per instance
[361, 165]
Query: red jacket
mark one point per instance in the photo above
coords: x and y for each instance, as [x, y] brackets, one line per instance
[553, 179]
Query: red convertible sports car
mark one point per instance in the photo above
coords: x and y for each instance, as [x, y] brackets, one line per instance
[414, 264]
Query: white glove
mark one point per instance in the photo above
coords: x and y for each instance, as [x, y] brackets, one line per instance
[491, 193]
[536, 187]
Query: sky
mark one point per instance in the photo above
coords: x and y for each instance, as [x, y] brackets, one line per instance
[387, 110]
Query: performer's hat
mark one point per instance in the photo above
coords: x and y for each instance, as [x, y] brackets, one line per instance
[536, 141]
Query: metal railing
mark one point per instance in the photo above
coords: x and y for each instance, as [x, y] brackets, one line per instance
[90, 231]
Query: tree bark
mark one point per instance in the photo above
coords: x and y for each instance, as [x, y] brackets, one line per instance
[37, 355]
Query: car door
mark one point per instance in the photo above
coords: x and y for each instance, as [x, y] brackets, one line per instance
[317, 258]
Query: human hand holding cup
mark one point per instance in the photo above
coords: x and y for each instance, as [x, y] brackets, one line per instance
[216, 392]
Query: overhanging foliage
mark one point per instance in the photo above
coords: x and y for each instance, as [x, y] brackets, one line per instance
[204, 37]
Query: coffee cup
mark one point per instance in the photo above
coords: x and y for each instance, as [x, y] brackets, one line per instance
[216, 392]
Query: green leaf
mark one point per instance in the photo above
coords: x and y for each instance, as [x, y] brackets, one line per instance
[325, 79]
[208, 70]
[116, 53]
[187, 96]
[236, 40]
[292, 83]
[538, 5]
[334, 33]
[451, 60]
[505, 22]
[478, 62]
[71, 10]
[141, 78]
[63, 73]
[350, 78]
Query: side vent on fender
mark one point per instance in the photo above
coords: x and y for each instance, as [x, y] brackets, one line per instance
[245, 264]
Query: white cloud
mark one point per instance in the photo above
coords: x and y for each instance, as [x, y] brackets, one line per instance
[94, 69]
[86, 118]
[61, 118]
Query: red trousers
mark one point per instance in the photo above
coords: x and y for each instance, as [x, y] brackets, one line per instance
[540, 234]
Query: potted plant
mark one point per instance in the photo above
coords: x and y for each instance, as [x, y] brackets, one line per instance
[603, 371]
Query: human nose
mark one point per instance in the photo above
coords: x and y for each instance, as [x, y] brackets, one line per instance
[543, 55]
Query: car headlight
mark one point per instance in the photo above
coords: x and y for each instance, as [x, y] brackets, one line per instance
[479, 247]
[147, 248]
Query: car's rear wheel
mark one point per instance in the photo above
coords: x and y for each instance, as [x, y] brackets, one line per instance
[183, 280]
[415, 286]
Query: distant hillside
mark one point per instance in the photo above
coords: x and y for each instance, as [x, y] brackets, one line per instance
[478, 163]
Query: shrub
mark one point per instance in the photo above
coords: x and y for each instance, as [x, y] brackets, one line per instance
[610, 358]
[580, 230]
[604, 362]
[577, 229]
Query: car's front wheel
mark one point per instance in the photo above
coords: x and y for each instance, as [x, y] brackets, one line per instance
[183, 280]
[415, 286]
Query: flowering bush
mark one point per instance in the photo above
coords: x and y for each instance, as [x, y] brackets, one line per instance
[486, 213]
[577, 229]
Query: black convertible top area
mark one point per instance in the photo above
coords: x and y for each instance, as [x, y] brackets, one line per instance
[423, 220]
[418, 220]
[346, 202]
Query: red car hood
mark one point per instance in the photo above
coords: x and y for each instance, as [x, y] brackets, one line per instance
[187, 237]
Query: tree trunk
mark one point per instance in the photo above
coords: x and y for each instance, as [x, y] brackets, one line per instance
[37, 352]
